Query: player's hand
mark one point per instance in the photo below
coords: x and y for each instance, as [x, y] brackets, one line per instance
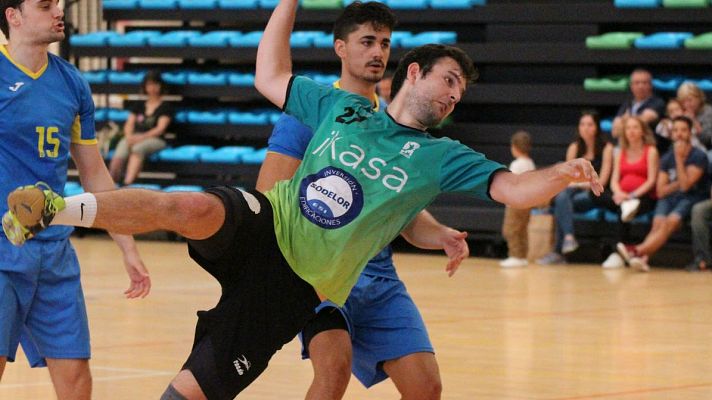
[140, 284]
[456, 249]
[581, 170]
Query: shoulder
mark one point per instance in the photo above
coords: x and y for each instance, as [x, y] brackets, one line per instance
[289, 122]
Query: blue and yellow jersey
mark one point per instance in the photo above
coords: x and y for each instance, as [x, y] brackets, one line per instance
[41, 114]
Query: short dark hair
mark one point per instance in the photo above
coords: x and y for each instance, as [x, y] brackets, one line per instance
[153, 76]
[4, 5]
[358, 13]
[684, 119]
[426, 57]
[522, 141]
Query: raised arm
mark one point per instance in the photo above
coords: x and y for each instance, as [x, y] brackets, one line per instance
[426, 232]
[273, 69]
[537, 187]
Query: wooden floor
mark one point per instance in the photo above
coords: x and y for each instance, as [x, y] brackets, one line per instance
[576, 332]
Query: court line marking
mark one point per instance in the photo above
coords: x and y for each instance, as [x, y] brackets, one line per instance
[635, 392]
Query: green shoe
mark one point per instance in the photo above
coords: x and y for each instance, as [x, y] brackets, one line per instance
[31, 209]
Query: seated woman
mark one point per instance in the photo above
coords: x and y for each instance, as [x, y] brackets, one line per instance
[694, 106]
[592, 145]
[635, 171]
[143, 130]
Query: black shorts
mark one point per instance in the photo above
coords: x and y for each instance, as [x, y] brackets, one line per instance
[263, 305]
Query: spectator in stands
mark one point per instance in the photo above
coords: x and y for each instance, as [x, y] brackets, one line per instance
[143, 130]
[643, 103]
[635, 170]
[592, 145]
[694, 106]
[383, 87]
[700, 221]
[682, 182]
[516, 220]
[663, 131]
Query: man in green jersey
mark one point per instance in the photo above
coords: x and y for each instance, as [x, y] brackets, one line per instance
[364, 177]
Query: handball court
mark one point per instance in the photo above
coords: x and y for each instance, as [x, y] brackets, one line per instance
[564, 332]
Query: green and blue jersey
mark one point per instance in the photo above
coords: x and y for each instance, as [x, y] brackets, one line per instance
[42, 114]
[363, 179]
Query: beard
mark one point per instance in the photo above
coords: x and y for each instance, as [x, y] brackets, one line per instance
[422, 110]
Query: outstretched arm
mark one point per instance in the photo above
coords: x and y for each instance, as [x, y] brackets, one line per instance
[273, 68]
[537, 187]
[95, 178]
[426, 232]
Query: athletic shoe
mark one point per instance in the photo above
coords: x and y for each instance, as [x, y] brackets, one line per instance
[629, 208]
[639, 264]
[613, 261]
[696, 266]
[514, 262]
[30, 210]
[551, 259]
[627, 251]
[569, 246]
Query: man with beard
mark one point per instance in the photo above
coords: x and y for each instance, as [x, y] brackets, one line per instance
[379, 332]
[47, 115]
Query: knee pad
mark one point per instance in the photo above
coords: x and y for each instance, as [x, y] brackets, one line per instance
[172, 394]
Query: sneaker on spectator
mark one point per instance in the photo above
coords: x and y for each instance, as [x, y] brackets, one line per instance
[569, 246]
[639, 264]
[629, 209]
[696, 266]
[627, 251]
[551, 259]
[513, 262]
[614, 260]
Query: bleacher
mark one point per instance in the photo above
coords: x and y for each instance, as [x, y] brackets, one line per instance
[541, 62]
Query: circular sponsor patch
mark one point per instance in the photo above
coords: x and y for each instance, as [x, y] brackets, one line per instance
[331, 198]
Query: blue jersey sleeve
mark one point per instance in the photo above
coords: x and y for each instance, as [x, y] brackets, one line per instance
[83, 130]
[309, 101]
[465, 170]
[289, 137]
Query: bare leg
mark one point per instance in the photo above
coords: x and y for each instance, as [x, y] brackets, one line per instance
[658, 237]
[71, 378]
[130, 211]
[330, 353]
[3, 361]
[416, 376]
[187, 386]
[133, 167]
[115, 168]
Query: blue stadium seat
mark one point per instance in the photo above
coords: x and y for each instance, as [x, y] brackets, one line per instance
[99, 76]
[133, 39]
[456, 4]
[239, 79]
[175, 77]
[197, 4]
[207, 117]
[637, 3]
[666, 84]
[269, 4]
[407, 4]
[214, 39]
[125, 77]
[325, 79]
[173, 39]
[72, 189]
[187, 153]
[183, 188]
[100, 114]
[117, 115]
[255, 157]
[704, 84]
[429, 37]
[181, 116]
[99, 38]
[607, 125]
[206, 78]
[663, 40]
[249, 39]
[120, 4]
[247, 118]
[610, 216]
[227, 154]
[324, 39]
[158, 4]
[147, 186]
[237, 4]
[301, 39]
[397, 38]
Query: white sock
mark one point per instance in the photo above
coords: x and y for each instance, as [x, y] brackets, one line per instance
[80, 210]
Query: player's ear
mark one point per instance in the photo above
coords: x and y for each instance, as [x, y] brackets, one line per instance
[413, 72]
[13, 16]
[340, 48]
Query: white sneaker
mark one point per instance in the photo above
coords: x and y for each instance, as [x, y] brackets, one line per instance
[629, 209]
[514, 262]
[614, 260]
[639, 264]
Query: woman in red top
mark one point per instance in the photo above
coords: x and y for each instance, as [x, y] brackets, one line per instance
[635, 171]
